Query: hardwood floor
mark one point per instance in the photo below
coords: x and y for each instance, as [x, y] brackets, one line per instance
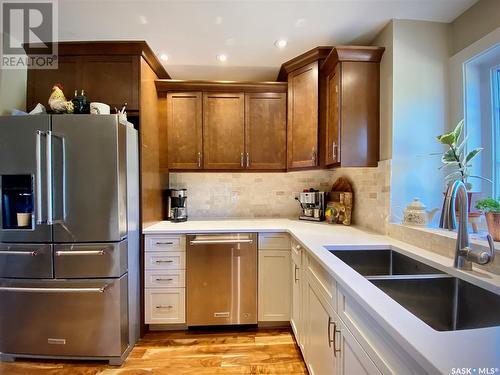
[248, 351]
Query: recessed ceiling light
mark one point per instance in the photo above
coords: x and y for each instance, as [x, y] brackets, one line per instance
[281, 43]
[164, 57]
[143, 20]
[221, 58]
[218, 20]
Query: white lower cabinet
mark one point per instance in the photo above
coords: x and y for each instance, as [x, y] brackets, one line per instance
[353, 358]
[165, 306]
[320, 351]
[329, 347]
[164, 273]
[274, 285]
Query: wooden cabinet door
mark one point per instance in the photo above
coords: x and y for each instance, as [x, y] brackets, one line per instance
[113, 80]
[223, 130]
[184, 130]
[274, 286]
[353, 358]
[302, 138]
[321, 358]
[333, 117]
[41, 81]
[265, 131]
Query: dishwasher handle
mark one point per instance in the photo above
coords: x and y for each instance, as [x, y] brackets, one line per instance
[215, 239]
[221, 241]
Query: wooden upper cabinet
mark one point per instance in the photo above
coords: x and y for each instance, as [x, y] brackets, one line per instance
[350, 106]
[223, 130]
[41, 81]
[332, 136]
[184, 130]
[109, 72]
[265, 131]
[302, 137]
[113, 80]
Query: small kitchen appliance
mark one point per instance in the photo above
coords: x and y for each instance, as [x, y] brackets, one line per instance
[312, 203]
[177, 205]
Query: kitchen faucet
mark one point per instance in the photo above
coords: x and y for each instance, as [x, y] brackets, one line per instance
[464, 254]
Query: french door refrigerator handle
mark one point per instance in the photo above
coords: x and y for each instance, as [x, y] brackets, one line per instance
[53, 290]
[38, 177]
[48, 161]
[52, 219]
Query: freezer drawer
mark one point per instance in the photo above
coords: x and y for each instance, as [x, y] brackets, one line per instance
[84, 318]
[26, 261]
[90, 260]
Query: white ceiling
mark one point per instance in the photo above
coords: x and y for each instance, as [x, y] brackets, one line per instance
[193, 33]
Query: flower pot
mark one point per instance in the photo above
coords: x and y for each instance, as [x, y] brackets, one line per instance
[493, 221]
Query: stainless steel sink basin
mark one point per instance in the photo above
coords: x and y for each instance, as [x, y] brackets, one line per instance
[444, 302]
[382, 263]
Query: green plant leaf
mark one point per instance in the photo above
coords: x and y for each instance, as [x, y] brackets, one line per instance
[461, 147]
[488, 205]
[449, 157]
[446, 139]
[456, 175]
[482, 178]
[458, 130]
[471, 155]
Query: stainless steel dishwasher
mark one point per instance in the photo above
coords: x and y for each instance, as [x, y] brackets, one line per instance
[221, 279]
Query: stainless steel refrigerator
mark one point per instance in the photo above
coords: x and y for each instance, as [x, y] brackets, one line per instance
[69, 237]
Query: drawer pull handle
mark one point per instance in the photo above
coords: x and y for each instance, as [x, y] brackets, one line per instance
[164, 279]
[164, 243]
[54, 290]
[33, 253]
[83, 252]
[164, 261]
[164, 307]
[295, 273]
[330, 341]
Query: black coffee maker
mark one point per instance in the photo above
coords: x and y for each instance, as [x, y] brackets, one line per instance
[177, 205]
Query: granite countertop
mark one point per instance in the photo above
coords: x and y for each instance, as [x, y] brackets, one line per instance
[434, 350]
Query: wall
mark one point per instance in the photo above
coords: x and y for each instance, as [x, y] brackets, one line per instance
[420, 110]
[12, 90]
[477, 21]
[215, 195]
[386, 39]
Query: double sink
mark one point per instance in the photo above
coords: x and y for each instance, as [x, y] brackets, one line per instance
[442, 301]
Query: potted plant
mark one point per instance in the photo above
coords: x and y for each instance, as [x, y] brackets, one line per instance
[456, 161]
[491, 209]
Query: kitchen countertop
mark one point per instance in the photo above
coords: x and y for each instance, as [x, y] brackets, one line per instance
[433, 350]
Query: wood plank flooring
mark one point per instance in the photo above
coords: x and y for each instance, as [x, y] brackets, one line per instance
[236, 351]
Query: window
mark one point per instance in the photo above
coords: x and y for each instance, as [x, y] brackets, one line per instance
[482, 118]
[495, 84]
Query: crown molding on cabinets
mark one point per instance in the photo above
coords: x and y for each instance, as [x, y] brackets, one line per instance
[351, 53]
[220, 86]
[306, 58]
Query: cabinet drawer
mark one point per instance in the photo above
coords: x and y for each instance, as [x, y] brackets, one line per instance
[164, 306]
[165, 243]
[274, 241]
[164, 279]
[165, 261]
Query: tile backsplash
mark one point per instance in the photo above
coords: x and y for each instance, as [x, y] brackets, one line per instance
[247, 195]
